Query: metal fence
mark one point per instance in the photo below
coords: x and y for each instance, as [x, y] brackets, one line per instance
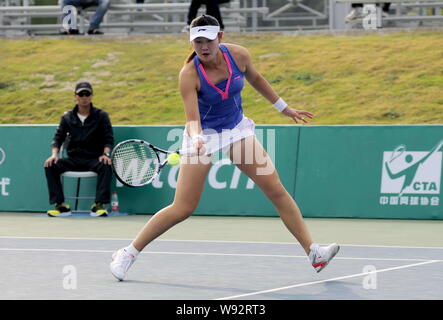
[169, 16]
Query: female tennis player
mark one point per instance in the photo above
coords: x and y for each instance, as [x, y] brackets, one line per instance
[210, 83]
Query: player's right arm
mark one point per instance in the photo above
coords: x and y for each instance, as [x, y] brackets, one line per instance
[189, 85]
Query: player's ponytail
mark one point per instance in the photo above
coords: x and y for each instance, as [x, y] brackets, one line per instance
[190, 57]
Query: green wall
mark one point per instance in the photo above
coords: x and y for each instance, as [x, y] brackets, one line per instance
[331, 171]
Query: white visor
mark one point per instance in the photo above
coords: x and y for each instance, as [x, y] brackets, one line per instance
[209, 32]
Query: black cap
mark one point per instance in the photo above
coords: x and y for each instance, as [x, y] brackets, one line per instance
[83, 86]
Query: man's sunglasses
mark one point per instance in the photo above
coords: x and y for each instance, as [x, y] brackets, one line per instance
[84, 94]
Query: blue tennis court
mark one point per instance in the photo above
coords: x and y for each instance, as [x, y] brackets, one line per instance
[77, 268]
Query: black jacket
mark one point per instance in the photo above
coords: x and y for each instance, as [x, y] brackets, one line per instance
[86, 140]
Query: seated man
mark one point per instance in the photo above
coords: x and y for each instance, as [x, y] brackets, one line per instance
[91, 140]
[97, 17]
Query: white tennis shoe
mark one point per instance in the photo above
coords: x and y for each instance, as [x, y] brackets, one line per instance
[320, 256]
[121, 262]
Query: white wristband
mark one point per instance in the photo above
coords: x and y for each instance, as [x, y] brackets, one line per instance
[280, 105]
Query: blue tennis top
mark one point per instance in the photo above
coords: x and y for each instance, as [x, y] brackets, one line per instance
[220, 105]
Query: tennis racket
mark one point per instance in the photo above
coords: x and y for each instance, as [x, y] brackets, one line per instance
[137, 163]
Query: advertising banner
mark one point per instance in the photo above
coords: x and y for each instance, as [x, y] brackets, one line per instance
[390, 172]
[370, 171]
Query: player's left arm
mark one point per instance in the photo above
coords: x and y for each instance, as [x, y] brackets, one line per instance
[255, 79]
[262, 86]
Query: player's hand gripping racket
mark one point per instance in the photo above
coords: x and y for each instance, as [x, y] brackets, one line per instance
[137, 163]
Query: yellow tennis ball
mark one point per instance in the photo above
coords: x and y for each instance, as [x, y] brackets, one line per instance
[173, 159]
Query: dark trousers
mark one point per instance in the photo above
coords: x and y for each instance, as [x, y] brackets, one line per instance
[104, 177]
[212, 9]
[385, 7]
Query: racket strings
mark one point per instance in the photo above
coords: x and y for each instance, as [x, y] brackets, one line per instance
[135, 163]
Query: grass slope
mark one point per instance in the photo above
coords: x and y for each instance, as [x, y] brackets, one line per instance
[391, 78]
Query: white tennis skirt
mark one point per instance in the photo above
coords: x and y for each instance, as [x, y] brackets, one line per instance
[216, 141]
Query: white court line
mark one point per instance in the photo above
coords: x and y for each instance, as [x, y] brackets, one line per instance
[216, 241]
[209, 254]
[327, 280]
[65, 238]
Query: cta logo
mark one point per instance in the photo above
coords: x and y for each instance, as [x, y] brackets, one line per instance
[3, 181]
[411, 177]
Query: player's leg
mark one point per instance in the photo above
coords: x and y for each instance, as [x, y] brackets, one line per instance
[250, 157]
[189, 188]
[190, 183]
[260, 168]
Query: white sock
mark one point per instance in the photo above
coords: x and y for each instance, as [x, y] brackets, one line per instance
[131, 249]
[314, 247]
